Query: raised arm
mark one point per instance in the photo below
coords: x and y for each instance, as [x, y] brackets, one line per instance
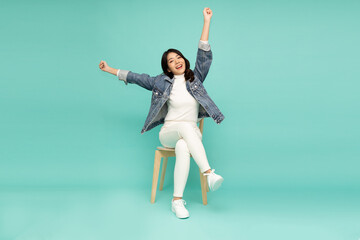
[143, 80]
[204, 54]
[207, 17]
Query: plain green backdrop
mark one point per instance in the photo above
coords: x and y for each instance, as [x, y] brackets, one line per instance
[285, 74]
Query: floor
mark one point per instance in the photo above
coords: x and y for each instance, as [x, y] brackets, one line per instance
[85, 212]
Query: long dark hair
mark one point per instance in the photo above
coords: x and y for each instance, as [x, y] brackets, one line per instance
[189, 74]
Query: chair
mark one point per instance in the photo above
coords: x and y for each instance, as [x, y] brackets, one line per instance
[165, 153]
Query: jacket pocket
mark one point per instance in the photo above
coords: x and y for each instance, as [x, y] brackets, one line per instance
[198, 87]
[157, 93]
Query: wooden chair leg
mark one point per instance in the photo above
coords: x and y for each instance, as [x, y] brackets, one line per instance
[203, 187]
[157, 162]
[163, 170]
[207, 185]
[201, 179]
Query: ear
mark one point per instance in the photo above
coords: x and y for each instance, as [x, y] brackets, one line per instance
[168, 70]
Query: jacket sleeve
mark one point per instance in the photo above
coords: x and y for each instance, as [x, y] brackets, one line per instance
[203, 60]
[143, 80]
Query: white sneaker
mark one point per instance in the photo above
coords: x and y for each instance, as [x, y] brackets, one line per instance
[214, 180]
[179, 209]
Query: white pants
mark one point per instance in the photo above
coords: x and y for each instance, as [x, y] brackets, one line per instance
[186, 138]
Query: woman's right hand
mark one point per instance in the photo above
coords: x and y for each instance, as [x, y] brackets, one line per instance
[103, 66]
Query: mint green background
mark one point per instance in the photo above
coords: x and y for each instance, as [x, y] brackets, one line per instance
[73, 164]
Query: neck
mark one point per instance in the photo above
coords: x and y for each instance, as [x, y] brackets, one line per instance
[179, 74]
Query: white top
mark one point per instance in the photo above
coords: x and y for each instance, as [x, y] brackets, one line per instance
[181, 105]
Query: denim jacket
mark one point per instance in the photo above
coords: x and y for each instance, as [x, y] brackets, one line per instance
[161, 86]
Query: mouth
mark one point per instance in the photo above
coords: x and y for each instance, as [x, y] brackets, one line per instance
[180, 66]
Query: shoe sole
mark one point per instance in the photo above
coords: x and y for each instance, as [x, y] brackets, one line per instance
[217, 184]
[182, 217]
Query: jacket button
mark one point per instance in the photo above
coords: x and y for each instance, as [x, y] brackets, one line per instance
[156, 93]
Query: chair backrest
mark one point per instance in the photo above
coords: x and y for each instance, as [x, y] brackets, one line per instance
[201, 125]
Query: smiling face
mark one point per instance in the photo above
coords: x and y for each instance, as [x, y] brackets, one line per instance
[176, 64]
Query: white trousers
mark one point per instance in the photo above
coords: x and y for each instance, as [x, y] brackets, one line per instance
[186, 138]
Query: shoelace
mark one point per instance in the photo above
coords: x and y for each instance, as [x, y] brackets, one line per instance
[179, 202]
[212, 172]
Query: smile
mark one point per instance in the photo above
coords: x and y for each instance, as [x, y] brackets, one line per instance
[180, 66]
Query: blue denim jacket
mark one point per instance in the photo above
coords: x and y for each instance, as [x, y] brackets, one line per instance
[161, 86]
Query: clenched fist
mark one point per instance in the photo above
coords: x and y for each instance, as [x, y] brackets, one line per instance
[103, 66]
[207, 14]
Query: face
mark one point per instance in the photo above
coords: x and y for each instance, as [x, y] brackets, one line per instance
[176, 64]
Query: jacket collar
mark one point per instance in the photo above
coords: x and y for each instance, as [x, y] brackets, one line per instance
[167, 78]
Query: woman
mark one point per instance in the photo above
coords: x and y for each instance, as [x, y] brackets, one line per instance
[179, 100]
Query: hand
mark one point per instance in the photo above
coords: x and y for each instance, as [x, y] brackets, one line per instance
[207, 14]
[103, 66]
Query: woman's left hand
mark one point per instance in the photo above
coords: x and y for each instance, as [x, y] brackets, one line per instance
[207, 14]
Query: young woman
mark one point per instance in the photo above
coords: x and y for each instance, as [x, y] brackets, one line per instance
[179, 100]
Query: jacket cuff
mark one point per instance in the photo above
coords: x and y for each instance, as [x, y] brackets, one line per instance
[204, 45]
[122, 74]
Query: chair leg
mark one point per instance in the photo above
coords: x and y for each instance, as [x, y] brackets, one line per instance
[203, 183]
[157, 162]
[163, 170]
[207, 186]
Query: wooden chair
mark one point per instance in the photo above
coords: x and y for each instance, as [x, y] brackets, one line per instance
[165, 153]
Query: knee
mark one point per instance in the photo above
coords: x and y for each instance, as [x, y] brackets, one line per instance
[181, 146]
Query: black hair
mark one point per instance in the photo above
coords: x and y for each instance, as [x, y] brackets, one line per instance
[189, 74]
